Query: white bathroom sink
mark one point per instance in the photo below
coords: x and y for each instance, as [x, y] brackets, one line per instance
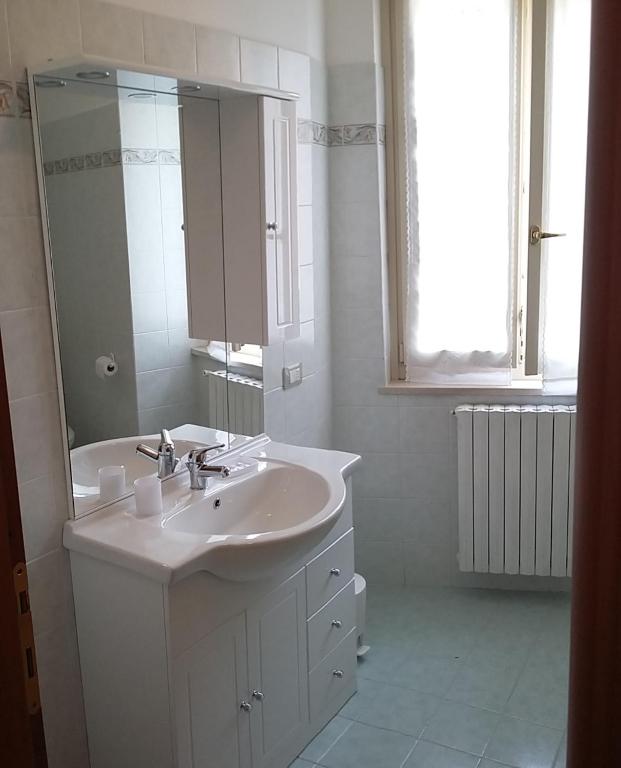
[276, 497]
[240, 528]
[267, 516]
[87, 460]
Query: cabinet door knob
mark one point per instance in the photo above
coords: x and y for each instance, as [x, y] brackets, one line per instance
[336, 623]
[271, 226]
[337, 673]
[245, 706]
[258, 695]
[335, 571]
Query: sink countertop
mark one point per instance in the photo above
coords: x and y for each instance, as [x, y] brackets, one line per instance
[145, 545]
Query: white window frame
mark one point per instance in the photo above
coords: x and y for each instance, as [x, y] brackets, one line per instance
[530, 145]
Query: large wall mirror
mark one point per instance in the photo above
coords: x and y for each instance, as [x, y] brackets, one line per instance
[134, 169]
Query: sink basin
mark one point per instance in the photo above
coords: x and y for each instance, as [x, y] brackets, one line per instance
[278, 503]
[271, 513]
[274, 499]
[86, 461]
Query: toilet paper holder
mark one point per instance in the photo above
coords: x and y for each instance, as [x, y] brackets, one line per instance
[106, 365]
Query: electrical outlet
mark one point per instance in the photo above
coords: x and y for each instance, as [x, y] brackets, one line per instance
[292, 375]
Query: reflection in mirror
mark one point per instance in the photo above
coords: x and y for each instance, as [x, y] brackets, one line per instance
[132, 180]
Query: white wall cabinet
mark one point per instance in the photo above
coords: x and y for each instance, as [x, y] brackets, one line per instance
[240, 200]
[259, 215]
[202, 209]
[207, 673]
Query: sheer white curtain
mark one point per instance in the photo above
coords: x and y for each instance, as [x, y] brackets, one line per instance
[459, 106]
[568, 75]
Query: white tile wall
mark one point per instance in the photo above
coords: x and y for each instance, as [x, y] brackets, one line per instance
[218, 54]
[302, 415]
[169, 43]
[33, 31]
[294, 74]
[86, 216]
[165, 383]
[111, 31]
[405, 491]
[259, 63]
[39, 30]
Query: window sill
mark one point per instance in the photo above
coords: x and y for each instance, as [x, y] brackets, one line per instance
[234, 365]
[518, 387]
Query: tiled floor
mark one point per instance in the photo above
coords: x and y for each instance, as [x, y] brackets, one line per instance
[455, 679]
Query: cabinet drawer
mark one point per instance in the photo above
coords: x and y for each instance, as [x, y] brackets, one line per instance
[329, 572]
[331, 624]
[334, 676]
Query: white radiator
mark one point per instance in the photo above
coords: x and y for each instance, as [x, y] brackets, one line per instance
[238, 407]
[515, 488]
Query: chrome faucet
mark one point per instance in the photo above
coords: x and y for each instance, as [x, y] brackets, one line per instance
[164, 455]
[200, 471]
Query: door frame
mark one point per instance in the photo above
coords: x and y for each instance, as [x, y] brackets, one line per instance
[22, 739]
[594, 736]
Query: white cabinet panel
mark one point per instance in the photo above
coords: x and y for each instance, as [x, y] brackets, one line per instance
[330, 571]
[210, 683]
[200, 137]
[259, 215]
[331, 624]
[277, 664]
[279, 148]
[334, 679]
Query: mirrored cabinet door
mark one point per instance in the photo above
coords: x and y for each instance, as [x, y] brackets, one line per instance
[133, 194]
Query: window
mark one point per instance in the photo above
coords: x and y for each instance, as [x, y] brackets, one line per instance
[487, 155]
[239, 358]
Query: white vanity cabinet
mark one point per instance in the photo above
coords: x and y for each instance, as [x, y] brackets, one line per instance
[240, 695]
[208, 673]
[209, 682]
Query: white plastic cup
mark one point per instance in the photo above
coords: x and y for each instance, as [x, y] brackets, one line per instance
[111, 482]
[148, 496]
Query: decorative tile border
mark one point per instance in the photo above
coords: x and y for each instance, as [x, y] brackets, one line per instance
[111, 157]
[14, 99]
[310, 132]
[15, 102]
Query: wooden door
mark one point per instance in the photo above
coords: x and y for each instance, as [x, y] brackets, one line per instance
[22, 744]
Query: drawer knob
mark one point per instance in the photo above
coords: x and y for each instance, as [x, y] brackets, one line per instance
[258, 695]
[338, 673]
[336, 623]
[245, 706]
[335, 571]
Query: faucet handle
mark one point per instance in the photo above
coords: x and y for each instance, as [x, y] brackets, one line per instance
[198, 455]
[167, 444]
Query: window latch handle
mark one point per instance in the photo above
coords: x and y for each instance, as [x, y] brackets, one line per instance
[536, 235]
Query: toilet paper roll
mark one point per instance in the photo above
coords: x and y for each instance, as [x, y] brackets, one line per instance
[106, 365]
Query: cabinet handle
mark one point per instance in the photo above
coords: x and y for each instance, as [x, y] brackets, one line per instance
[245, 706]
[338, 673]
[336, 623]
[271, 226]
[258, 695]
[335, 571]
